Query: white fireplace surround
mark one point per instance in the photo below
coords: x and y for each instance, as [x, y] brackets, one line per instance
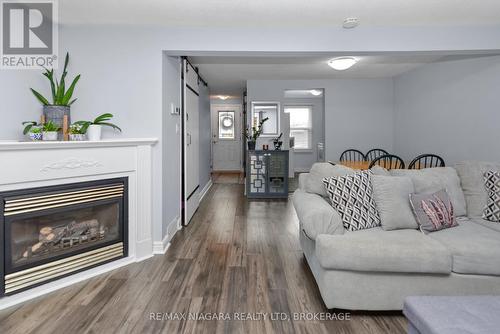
[40, 164]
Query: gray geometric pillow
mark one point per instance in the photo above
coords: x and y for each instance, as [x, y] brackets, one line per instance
[492, 182]
[352, 197]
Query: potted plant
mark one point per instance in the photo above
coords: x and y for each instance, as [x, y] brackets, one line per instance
[94, 128]
[50, 131]
[256, 132]
[76, 133]
[62, 98]
[33, 130]
[278, 142]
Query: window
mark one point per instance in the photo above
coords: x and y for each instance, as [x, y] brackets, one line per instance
[226, 124]
[269, 110]
[300, 126]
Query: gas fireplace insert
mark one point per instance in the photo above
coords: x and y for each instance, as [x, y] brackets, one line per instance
[50, 232]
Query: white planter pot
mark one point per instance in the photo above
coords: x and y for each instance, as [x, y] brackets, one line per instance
[77, 137]
[50, 136]
[94, 132]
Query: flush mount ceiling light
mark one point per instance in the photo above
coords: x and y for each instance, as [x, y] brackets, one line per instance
[223, 97]
[315, 92]
[350, 22]
[342, 63]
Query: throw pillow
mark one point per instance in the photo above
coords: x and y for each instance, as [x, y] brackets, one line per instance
[430, 180]
[352, 197]
[471, 175]
[320, 170]
[492, 182]
[434, 212]
[391, 194]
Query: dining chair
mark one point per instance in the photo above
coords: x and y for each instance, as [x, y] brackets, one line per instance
[388, 161]
[374, 154]
[352, 155]
[426, 161]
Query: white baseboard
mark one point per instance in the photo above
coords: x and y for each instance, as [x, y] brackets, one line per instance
[161, 247]
[205, 189]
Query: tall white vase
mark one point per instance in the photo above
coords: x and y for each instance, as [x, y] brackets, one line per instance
[94, 132]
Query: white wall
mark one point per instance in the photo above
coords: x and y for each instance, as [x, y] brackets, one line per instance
[451, 108]
[358, 112]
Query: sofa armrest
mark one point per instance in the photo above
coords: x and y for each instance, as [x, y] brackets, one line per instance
[316, 215]
[302, 180]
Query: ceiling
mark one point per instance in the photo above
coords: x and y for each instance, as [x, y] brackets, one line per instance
[228, 75]
[280, 13]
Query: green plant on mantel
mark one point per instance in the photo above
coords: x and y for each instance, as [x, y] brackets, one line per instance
[60, 95]
[76, 129]
[101, 120]
[31, 126]
[50, 127]
[256, 131]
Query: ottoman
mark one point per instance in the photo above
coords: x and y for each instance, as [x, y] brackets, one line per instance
[452, 315]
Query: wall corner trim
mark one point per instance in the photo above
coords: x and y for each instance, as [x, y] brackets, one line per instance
[205, 189]
[161, 247]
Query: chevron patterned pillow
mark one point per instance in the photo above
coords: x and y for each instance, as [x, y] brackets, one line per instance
[492, 182]
[352, 197]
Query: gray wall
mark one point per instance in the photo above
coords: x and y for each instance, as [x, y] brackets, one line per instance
[451, 108]
[121, 69]
[171, 143]
[205, 136]
[358, 112]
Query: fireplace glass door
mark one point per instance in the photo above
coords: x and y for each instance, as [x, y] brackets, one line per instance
[55, 231]
[36, 238]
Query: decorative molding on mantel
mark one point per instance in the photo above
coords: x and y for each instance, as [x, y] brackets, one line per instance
[70, 163]
[10, 145]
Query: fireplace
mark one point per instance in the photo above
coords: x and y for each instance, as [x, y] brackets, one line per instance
[51, 232]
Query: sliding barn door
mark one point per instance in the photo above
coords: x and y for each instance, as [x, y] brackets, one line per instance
[191, 142]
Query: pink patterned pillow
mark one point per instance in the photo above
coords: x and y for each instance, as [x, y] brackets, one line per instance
[434, 212]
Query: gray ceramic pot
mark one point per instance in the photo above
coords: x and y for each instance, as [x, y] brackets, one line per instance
[56, 115]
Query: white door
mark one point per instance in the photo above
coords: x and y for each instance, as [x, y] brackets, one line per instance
[226, 137]
[191, 142]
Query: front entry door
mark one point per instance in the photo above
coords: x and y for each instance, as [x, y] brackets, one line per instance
[226, 137]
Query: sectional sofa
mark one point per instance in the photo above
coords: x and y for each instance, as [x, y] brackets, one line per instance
[375, 269]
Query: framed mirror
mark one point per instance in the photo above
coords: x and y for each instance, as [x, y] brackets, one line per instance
[271, 110]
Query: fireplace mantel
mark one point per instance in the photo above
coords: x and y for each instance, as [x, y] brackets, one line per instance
[42, 164]
[11, 145]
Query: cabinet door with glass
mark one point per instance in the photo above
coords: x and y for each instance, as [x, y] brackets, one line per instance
[267, 174]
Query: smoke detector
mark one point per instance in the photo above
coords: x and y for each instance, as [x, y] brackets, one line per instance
[350, 22]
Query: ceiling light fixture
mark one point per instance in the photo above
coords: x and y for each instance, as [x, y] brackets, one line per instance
[342, 63]
[350, 22]
[223, 97]
[315, 92]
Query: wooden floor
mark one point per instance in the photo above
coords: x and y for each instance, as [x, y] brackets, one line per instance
[236, 256]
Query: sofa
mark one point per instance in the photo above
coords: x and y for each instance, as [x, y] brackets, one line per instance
[375, 269]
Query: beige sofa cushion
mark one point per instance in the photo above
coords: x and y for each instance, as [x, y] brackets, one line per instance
[316, 215]
[475, 249]
[431, 180]
[391, 195]
[376, 250]
[471, 175]
[314, 182]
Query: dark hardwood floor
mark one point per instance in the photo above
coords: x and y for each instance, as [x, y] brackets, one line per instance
[236, 256]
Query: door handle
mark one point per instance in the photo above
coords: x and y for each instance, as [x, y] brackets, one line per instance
[188, 139]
